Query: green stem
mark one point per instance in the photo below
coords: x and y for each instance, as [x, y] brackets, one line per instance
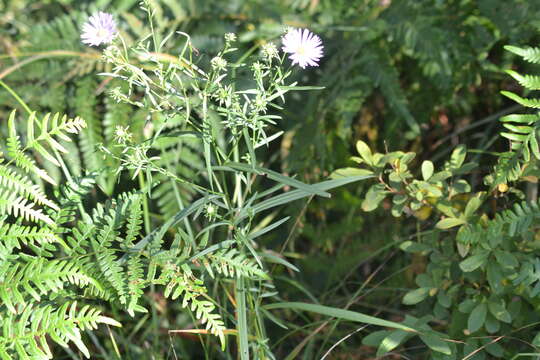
[16, 96]
[146, 211]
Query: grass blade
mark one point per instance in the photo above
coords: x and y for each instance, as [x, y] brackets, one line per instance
[339, 313]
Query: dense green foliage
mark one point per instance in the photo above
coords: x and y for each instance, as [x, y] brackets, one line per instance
[145, 220]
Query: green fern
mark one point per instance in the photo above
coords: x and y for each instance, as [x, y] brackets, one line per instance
[25, 333]
[19, 194]
[37, 278]
[14, 205]
[191, 289]
[522, 129]
[231, 263]
[530, 54]
[18, 235]
[10, 179]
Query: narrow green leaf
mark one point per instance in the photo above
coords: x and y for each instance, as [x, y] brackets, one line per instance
[248, 141]
[275, 176]
[520, 129]
[514, 137]
[532, 103]
[279, 260]
[339, 313]
[302, 88]
[221, 245]
[30, 127]
[268, 228]
[350, 171]
[520, 118]
[297, 194]
[241, 325]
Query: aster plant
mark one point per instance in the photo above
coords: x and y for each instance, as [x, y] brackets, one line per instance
[197, 116]
[304, 47]
[228, 125]
[100, 29]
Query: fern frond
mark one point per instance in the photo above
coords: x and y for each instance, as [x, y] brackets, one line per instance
[115, 278]
[14, 205]
[136, 283]
[103, 234]
[16, 235]
[134, 222]
[532, 103]
[59, 126]
[190, 289]
[234, 264]
[110, 270]
[107, 232]
[530, 82]
[56, 128]
[35, 324]
[10, 180]
[79, 238]
[17, 154]
[71, 196]
[507, 169]
[523, 128]
[530, 54]
[85, 105]
[39, 277]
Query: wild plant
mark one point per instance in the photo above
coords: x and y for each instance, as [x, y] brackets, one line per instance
[480, 283]
[175, 201]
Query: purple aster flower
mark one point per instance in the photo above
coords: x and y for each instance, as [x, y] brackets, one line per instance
[305, 47]
[99, 29]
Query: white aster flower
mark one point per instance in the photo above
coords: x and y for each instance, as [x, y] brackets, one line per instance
[305, 47]
[99, 29]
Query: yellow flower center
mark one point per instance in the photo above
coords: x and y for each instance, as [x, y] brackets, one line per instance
[101, 33]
